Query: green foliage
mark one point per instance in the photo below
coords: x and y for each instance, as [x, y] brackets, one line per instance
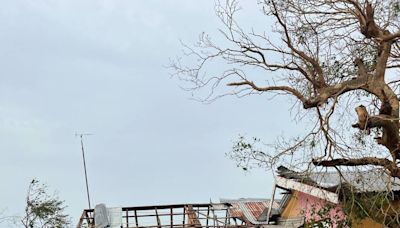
[378, 206]
[356, 206]
[43, 210]
[365, 205]
[396, 8]
[247, 153]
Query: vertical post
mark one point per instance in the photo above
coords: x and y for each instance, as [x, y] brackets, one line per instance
[208, 214]
[227, 217]
[84, 167]
[184, 215]
[172, 216]
[271, 202]
[127, 218]
[158, 219]
[136, 219]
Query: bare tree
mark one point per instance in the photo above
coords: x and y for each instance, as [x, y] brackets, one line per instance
[337, 60]
[43, 210]
[332, 57]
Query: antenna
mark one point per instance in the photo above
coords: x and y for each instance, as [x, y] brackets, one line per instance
[84, 165]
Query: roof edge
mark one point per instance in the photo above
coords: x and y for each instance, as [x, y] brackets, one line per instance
[311, 190]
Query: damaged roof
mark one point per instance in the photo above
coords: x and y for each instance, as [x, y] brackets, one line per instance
[175, 215]
[250, 209]
[374, 180]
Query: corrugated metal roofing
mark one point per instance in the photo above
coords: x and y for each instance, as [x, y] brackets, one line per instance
[364, 181]
[375, 180]
[249, 209]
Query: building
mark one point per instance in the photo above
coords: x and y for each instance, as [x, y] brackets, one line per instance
[322, 197]
[309, 200]
[224, 214]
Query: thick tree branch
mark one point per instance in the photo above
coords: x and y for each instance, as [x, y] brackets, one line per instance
[391, 37]
[383, 56]
[362, 70]
[324, 93]
[375, 161]
[270, 88]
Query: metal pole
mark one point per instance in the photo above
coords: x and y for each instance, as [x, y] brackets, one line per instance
[84, 167]
[271, 203]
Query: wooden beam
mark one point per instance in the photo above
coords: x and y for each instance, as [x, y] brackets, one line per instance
[193, 220]
[158, 219]
[136, 219]
[271, 203]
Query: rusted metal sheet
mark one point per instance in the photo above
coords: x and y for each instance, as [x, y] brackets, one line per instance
[249, 209]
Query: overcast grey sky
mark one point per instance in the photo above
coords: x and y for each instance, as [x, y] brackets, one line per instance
[97, 66]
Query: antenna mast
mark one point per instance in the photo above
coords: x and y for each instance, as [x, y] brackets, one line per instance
[84, 167]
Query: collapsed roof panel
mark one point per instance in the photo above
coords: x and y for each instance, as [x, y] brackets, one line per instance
[250, 210]
[374, 180]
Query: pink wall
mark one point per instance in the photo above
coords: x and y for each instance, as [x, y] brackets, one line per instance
[311, 206]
